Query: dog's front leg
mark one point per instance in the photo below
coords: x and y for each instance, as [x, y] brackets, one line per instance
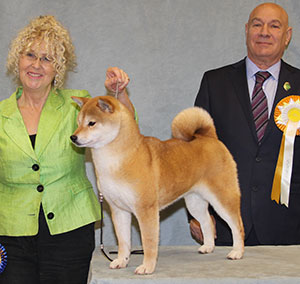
[149, 227]
[122, 224]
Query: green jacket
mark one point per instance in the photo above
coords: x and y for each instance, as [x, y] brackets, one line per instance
[53, 173]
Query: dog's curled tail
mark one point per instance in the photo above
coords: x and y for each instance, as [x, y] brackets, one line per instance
[193, 122]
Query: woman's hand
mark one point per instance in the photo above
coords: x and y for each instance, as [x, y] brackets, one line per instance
[116, 77]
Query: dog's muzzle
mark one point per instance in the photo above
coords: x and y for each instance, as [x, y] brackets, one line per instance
[74, 139]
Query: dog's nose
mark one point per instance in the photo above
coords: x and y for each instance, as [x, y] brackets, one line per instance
[73, 138]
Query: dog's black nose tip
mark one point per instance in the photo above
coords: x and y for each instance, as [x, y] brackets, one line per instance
[73, 138]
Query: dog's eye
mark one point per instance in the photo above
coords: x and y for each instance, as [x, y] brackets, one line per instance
[91, 123]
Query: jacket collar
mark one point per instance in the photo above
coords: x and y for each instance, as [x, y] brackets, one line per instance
[50, 119]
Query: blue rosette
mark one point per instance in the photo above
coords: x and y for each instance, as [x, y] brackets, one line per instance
[3, 258]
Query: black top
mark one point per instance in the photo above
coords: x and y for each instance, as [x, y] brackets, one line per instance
[32, 139]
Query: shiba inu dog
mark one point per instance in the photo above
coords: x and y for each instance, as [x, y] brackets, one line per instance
[141, 175]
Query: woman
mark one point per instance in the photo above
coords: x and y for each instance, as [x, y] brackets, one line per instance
[47, 205]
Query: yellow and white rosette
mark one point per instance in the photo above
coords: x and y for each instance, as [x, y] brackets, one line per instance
[287, 119]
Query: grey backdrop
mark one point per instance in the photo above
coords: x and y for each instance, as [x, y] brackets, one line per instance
[164, 46]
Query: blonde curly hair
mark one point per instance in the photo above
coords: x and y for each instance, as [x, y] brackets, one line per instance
[57, 41]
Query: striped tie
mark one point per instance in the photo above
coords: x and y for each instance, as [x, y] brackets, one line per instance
[260, 104]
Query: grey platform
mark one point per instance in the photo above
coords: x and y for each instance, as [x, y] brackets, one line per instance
[183, 264]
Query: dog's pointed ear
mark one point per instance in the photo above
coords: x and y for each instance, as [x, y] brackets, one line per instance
[80, 100]
[105, 106]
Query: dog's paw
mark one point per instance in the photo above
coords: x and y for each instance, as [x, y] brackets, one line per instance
[206, 249]
[118, 263]
[235, 254]
[143, 269]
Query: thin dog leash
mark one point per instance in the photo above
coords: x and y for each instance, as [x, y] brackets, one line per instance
[101, 208]
[101, 234]
[101, 227]
[117, 90]
[101, 202]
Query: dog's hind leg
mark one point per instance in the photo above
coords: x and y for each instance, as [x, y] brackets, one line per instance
[148, 220]
[198, 207]
[229, 210]
[122, 224]
[237, 229]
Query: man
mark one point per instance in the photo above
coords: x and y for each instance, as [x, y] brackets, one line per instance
[227, 94]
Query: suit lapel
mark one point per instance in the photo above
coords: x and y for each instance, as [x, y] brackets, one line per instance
[50, 119]
[239, 79]
[14, 127]
[285, 75]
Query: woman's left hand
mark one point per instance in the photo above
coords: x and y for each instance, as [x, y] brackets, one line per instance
[116, 77]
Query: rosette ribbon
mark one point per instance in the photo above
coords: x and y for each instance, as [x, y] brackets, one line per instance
[287, 119]
[3, 258]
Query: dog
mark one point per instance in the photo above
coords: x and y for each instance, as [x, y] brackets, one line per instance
[141, 175]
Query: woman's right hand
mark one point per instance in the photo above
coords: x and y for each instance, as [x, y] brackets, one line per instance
[116, 77]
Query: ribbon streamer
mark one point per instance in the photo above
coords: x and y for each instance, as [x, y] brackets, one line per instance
[287, 118]
[3, 258]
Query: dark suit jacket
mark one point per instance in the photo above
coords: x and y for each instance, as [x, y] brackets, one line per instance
[224, 93]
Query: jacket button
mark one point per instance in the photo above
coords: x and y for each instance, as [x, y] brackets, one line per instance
[258, 159]
[35, 167]
[50, 215]
[40, 188]
[255, 188]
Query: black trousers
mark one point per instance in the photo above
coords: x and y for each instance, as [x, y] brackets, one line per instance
[46, 259]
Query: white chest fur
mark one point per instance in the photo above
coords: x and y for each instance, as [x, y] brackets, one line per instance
[116, 191]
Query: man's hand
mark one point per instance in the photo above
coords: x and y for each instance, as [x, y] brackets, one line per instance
[196, 231]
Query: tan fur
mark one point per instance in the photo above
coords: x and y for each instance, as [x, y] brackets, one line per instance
[142, 175]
